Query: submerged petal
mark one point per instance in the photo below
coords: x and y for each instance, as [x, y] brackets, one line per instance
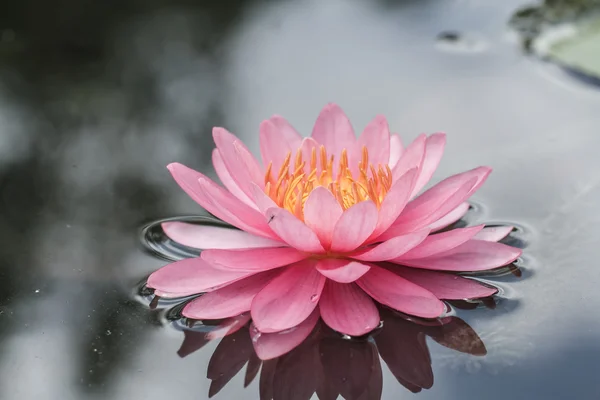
[289, 298]
[474, 255]
[191, 276]
[400, 294]
[347, 309]
[214, 237]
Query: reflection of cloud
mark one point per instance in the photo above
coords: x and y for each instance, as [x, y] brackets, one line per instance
[14, 134]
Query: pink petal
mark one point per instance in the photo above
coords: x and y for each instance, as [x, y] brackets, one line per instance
[289, 299]
[474, 255]
[411, 158]
[214, 237]
[341, 270]
[252, 260]
[191, 276]
[436, 203]
[393, 248]
[450, 218]
[306, 148]
[333, 130]
[394, 202]
[261, 199]
[437, 197]
[230, 300]
[444, 285]
[218, 201]
[434, 149]
[400, 294]
[396, 149]
[272, 345]
[321, 212]
[347, 309]
[494, 233]
[229, 326]
[277, 139]
[442, 242]
[376, 138]
[241, 164]
[227, 180]
[354, 227]
[293, 231]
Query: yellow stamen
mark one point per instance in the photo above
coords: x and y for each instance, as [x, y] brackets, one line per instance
[290, 190]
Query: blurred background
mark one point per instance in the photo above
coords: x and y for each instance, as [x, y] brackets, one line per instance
[96, 97]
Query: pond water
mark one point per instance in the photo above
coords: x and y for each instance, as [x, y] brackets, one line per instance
[96, 98]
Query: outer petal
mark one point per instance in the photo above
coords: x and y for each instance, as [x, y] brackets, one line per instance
[354, 226]
[396, 150]
[227, 180]
[412, 157]
[494, 233]
[474, 255]
[347, 309]
[396, 292]
[228, 301]
[434, 149]
[333, 130]
[441, 242]
[277, 139]
[289, 299]
[436, 200]
[214, 237]
[321, 212]
[272, 345]
[191, 276]
[393, 248]
[252, 260]
[444, 285]
[240, 163]
[394, 202]
[450, 218]
[218, 201]
[293, 231]
[341, 270]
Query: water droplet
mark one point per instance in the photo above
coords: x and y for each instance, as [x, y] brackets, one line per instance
[108, 332]
[314, 298]
[37, 290]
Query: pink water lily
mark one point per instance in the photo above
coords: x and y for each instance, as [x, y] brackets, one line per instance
[329, 224]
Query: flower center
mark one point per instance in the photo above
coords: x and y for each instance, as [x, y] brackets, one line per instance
[290, 190]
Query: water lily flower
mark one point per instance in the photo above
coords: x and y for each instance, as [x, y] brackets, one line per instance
[329, 224]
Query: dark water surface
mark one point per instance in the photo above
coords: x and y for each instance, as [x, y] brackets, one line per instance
[97, 97]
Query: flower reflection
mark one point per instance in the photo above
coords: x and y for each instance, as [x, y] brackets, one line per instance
[332, 365]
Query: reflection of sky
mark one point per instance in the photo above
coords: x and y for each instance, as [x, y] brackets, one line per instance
[291, 58]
